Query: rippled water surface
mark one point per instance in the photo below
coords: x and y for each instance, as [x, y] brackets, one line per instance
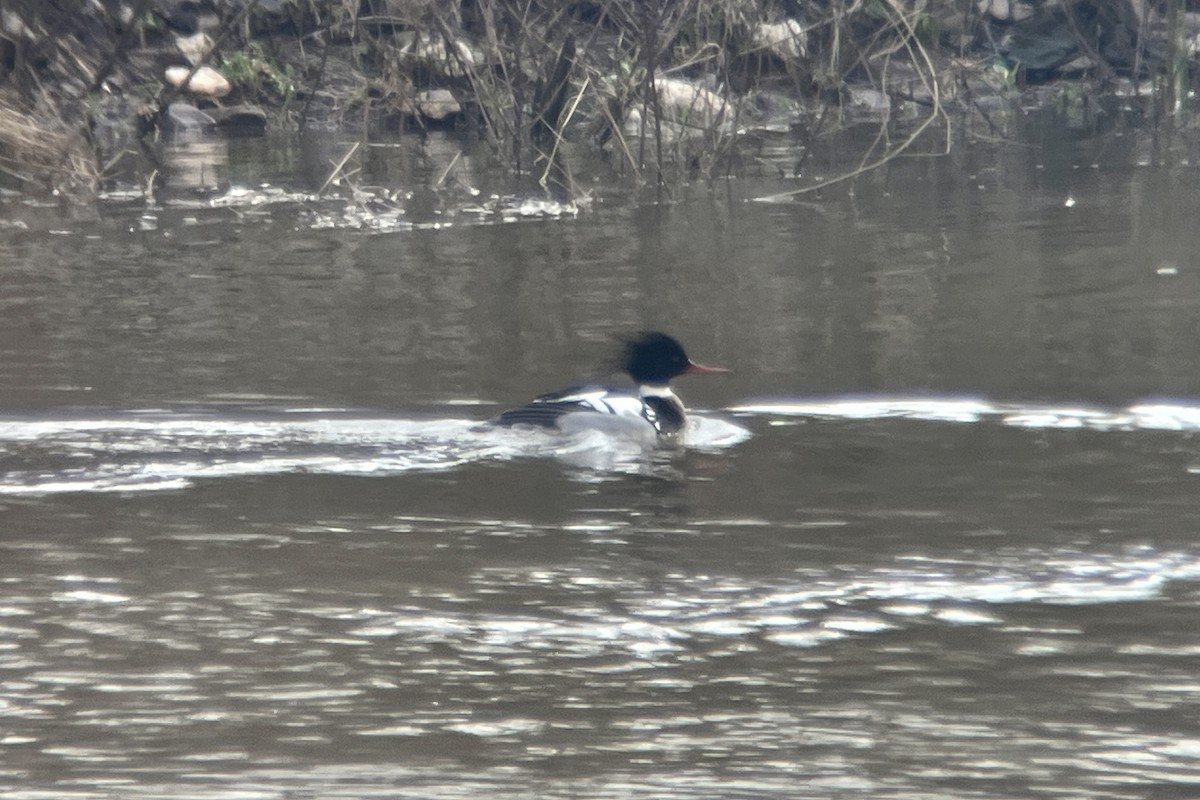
[934, 537]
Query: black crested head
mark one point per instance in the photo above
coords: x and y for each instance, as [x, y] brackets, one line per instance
[652, 358]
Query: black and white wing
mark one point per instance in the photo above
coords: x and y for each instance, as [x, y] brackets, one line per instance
[547, 410]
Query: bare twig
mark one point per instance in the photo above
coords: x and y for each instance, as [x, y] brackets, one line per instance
[442, 178]
[337, 168]
[558, 134]
[919, 55]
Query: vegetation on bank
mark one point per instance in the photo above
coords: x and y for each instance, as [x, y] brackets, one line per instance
[666, 88]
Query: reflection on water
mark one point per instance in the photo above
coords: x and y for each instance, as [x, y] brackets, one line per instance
[926, 541]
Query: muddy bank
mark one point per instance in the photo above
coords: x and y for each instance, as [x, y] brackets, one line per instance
[666, 90]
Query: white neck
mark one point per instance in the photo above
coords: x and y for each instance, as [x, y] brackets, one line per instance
[650, 390]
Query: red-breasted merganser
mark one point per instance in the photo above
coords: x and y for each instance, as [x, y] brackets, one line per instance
[652, 359]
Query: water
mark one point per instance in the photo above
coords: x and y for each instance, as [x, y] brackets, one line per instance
[935, 537]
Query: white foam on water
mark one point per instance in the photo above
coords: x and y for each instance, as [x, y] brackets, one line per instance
[159, 451]
[1165, 416]
[162, 450]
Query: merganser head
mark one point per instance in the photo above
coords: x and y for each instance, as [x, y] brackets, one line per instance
[652, 359]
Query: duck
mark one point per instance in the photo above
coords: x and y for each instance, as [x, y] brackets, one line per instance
[652, 359]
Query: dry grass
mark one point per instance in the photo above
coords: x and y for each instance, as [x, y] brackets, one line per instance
[660, 86]
[663, 83]
[42, 151]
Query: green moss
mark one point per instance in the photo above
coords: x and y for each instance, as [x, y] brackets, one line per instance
[255, 75]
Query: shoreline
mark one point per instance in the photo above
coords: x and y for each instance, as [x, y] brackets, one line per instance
[88, 98]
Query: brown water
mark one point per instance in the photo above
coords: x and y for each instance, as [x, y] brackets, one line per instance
[253, 546]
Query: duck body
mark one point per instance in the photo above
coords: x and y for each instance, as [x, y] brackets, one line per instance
[665, 414]
[652, 359]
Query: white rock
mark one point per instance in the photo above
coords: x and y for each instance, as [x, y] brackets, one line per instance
[437, 104]
[867, 99]
[195, 48]
[690, 102]
[1004, 10]
[688, 109]
[431, 51]
[786, 39]
[14, 25]
[996, 9]
[207, 81]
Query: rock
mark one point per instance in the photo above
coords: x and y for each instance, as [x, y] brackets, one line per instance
[1041, 45]
[1191, 28]
[996, 9]
[187, 16]
[770, 112]
[1062, 40]
[689, 102]
[430, 51]
[207, 81]
[1004, 10]
[786, 40]
[437, 104]
[183, 118]
[13, 25]
[688, 108]
[196, 47]
[867, 101]
[244, 119]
